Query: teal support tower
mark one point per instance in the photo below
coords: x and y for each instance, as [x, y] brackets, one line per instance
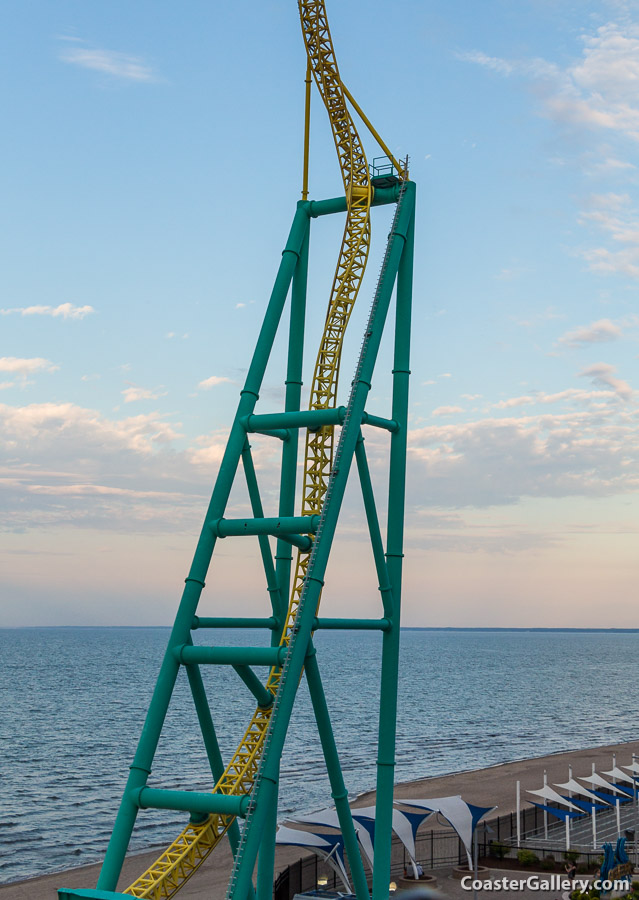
[294, 541]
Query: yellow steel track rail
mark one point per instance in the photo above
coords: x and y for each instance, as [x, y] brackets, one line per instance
[181, 859]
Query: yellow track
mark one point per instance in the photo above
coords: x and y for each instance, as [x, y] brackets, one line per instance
[176, 865]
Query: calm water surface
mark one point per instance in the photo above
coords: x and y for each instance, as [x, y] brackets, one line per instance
[72, 703]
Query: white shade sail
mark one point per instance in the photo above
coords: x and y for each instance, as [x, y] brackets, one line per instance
[548, 793]
[619, 775]
[598, 781]
[457, 811]
[329, 850]
[577, 788]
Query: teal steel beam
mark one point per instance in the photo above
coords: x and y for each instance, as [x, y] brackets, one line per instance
[378, 422]
[195, 580]
[282, 433]
[230, 656]
[88, 894]
[381, 197]
[311, 418]
[266, 789]
[292, 402]
[288, 525]
[334, 769]
[351, 624]
[303, 418]
[394, 556]
[374, 531]
[277, 601]
[209, 736]
[191, 801]
[264, 698]
[234, 622]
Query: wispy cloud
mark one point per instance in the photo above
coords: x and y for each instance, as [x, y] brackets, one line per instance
[135, 393]
[598, 91]
[213, 381]
[596, 333]
[447, 410]
[611, 215]
[22, 366]
[603, 374]
[118, 65]
[64, 311]
[489, 62]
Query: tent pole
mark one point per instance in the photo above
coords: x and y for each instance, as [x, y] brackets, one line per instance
[545, 813]
[519, 813]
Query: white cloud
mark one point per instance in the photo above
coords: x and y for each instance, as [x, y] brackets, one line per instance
[495, 461]
[26, 366]
[514, 401]
[489, 62]
[64, 311]
[596, 333]
[4, 385]
[65, 464]
[109, 62]
[610, 166]
[134, 393]
[213, 381]
[603, 374]
[447, 410]
[619, 224]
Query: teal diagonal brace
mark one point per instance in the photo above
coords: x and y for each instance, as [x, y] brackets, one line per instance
[195, 580]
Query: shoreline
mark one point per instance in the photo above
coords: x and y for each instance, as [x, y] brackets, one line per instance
[493, 785]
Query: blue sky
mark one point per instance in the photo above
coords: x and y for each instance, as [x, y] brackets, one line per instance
[150, 168]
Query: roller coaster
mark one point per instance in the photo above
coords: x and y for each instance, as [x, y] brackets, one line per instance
[247, 787]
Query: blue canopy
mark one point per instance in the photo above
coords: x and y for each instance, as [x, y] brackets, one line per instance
[562, 814]
[587, 805]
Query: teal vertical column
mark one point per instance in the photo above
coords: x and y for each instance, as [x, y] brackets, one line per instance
[266, 857]
[394, 555]
[334, 769]
[283, 554]
[181, 631]
[283, 557]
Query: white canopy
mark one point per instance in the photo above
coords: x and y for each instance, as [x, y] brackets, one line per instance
[633, 767]
[601, 782]
[401, 827]
[577, 788]
[547, 793]
[458, 813]
[322, 845]
[326, 817]
[619, 775]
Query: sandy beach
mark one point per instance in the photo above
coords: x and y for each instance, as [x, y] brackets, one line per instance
[494, 786]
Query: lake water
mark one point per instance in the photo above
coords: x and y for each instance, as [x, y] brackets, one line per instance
[72, 703]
